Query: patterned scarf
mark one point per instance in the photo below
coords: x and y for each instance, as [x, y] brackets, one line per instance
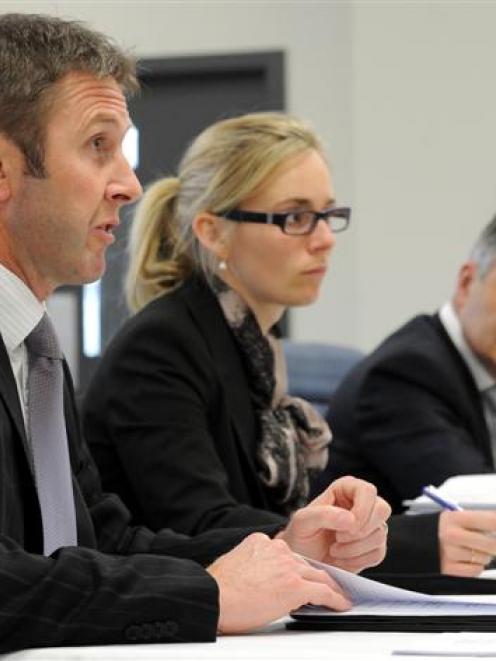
[293, 436]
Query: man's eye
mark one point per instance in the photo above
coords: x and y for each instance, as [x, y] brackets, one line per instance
[98, 143]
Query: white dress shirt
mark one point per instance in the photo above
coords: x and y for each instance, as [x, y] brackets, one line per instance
[20, 312]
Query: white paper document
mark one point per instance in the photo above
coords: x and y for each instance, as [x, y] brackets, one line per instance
[450, 645]
[469, 491]
[373, 598]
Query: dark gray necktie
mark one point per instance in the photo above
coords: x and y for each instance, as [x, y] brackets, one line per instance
[49, 438]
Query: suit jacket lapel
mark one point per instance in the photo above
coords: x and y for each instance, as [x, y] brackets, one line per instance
[10, 395]
[208, 315]
[473, 400]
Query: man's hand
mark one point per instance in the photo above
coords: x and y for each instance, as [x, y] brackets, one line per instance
[345, 526]
[466, 545]
[261, 580]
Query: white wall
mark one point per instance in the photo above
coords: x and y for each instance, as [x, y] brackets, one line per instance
[403, 94]
[424, 157]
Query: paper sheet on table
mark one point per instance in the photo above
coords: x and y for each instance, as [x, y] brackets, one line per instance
[373, 598]
[477, 491]
[450, 645]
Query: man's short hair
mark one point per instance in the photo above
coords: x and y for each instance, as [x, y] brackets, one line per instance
[36, 51]
[484, 251]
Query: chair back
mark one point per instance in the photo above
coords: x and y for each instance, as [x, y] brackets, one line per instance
[316, 369]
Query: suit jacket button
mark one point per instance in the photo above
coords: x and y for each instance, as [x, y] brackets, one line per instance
[132, 632]
[171, 628]
[148, 631]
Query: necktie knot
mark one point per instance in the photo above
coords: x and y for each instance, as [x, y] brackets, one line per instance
[42, 340]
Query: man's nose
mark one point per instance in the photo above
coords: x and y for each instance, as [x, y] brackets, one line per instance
[125, 187]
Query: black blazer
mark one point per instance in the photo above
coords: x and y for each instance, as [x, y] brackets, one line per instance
[170, 420]
[173, 430]
[95, 593]
[409, 415]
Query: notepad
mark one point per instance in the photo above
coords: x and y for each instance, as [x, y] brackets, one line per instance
[477, 491]
[377, 599]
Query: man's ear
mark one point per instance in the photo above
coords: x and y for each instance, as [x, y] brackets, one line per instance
[467, 275]
[4, 183]
[9, 156]
[210, 232]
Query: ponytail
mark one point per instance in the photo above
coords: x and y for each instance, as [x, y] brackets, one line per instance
[158, 259]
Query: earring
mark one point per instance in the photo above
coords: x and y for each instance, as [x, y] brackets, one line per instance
[222, 266]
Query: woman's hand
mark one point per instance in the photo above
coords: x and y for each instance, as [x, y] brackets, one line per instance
[345, 526]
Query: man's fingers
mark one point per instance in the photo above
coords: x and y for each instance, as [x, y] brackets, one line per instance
[323, 595]
[475, 520]
[455, 531]
[323, 589]
[321, 576]
[462, 569]
[467, 555]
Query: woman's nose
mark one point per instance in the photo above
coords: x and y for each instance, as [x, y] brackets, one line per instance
[322, 237]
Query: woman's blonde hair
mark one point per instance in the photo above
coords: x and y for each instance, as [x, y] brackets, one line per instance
[223, 166]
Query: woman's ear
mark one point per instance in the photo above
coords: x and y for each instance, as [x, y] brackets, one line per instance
[210, 232]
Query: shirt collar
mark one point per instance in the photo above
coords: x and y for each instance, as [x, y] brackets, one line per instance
[483, 379]
[20, 310]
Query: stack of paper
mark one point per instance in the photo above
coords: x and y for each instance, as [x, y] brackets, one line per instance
[469, 491]
[373, 598]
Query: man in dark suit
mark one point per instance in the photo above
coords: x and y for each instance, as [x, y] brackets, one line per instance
[63, 179]
[421, 407]
[410, 414]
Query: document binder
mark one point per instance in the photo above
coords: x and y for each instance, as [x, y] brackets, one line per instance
[420, 623]
[378, 606]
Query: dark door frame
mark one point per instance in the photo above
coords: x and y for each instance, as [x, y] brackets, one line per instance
[269, 63]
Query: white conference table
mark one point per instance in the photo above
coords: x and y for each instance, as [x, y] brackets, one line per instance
[273, 643]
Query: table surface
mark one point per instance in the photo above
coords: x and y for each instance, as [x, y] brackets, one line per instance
[269, 644]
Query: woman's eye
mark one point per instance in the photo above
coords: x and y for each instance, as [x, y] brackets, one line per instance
[296, 218]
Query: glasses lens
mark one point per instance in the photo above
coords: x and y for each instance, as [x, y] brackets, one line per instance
[339, 219]
[299, 222]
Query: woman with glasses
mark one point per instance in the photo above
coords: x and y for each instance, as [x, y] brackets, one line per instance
[188, 413]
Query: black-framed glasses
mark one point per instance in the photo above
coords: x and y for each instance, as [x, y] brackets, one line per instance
[295, 223]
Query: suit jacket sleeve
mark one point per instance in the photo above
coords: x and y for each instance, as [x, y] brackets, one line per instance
[413, 546]
[117, 586]
[409, 415]
[412, 432]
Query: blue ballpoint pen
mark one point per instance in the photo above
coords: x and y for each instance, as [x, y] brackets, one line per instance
[447, 504]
